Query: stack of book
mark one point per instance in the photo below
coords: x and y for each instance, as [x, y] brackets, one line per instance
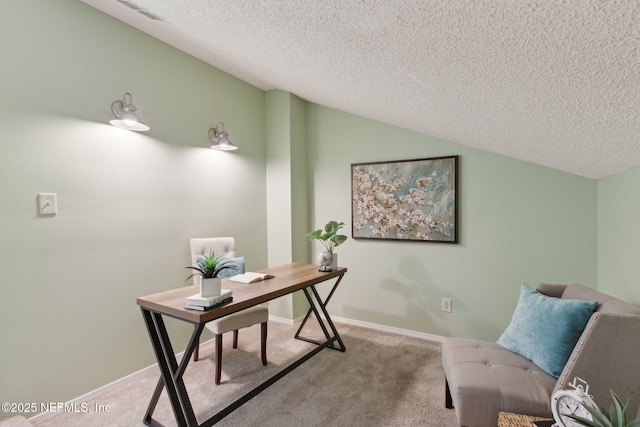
[198, 302]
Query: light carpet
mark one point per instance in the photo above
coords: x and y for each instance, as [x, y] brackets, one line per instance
[383, 379]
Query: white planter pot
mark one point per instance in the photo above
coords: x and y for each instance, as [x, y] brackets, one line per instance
[327, 261]
[210, 287]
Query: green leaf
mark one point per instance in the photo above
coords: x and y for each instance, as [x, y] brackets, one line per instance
[326, 236]
[599, 418]
[199, 273]
[339, 239]
[314, 234]
[616, 417]
[210, 266]
[585, 422]
[329, 238]
[333, 227]
[617, 411]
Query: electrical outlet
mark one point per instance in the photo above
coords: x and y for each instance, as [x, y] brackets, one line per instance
[446, 305]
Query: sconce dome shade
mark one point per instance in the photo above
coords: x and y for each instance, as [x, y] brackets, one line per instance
[221, 139]
[126, 115]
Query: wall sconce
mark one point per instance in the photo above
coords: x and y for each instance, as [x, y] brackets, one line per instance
[126, 113]
[220, 139]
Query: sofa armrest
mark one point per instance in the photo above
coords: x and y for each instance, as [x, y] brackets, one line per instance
[606, 357]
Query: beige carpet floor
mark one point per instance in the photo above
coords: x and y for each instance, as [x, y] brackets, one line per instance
[383, 379]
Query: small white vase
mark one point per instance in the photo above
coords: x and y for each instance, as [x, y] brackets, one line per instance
[210, 287]
[327, 261]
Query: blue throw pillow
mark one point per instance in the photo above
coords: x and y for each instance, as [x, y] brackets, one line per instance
[238, 263]
[546, 329]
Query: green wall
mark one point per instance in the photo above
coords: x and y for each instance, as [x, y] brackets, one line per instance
[619, 235]
[518, 223]
[128, 202]
[287, 191]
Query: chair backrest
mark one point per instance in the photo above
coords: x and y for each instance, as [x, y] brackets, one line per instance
[606, 355]
[203, 246]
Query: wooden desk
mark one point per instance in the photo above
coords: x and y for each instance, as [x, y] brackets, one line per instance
[288, 278]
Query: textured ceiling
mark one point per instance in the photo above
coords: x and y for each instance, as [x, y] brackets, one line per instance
[553, 82]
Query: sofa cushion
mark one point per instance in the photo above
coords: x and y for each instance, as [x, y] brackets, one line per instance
[485, 378]
[545, 329]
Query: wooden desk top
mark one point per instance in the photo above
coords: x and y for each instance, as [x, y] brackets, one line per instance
[288, 278]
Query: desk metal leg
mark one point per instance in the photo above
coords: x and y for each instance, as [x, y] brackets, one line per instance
[304, 321]
[313, 309]
[171, 372]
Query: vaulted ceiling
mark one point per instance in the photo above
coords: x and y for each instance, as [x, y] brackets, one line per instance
[553, 82]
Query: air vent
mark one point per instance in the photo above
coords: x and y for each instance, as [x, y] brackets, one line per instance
[140, 10]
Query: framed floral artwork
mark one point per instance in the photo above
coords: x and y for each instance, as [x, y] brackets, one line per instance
[413, 200]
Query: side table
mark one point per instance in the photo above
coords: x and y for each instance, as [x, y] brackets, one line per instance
[509, 419]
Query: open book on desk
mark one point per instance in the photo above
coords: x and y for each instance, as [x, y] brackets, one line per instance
[250, 277]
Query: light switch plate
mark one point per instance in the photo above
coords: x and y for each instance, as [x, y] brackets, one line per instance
[48, 203]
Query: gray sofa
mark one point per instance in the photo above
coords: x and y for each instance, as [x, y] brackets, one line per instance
[483, 378]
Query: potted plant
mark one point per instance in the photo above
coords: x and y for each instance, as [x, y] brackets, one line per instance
[617, 416]
[209, 267]
[329, 238]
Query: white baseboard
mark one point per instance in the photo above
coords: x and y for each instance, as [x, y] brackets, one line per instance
[385, 328]
[285, 320]
[375, 326]
[44, 416]
[132, 377]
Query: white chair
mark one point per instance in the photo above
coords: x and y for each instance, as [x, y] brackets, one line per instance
[245, 318]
